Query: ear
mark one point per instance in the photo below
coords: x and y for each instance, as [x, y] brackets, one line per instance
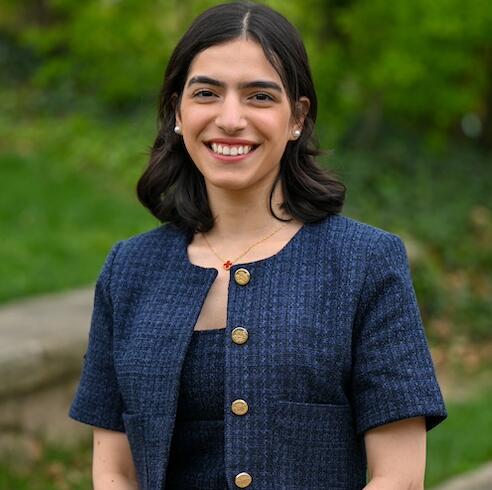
[175, 101]
[301, 111]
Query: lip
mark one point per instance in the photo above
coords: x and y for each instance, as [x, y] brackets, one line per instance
[231, 141]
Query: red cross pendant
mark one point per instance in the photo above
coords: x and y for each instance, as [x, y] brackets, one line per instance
[227, 265]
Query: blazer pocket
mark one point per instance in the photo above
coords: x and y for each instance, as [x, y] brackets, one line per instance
[315, 447]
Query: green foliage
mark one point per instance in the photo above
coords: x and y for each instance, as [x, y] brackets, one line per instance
[422, 62]
[440, 208]
[52, 468]
[461, 442]
[419, 64]
[112, 51]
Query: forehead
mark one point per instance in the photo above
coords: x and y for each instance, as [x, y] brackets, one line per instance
[240, 59]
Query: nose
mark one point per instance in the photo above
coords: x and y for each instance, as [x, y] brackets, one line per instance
[230, 117]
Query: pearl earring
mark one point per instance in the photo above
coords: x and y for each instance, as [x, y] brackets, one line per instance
[177, 129]
[296, 133]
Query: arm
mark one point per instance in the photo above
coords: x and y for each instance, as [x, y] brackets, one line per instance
[394, 387]
[396, 455]
[98, 401]
[112, 462]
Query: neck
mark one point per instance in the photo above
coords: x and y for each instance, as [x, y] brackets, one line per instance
[245, 214]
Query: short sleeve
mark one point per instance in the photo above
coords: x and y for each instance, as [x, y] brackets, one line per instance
[97, 400]
[393, 375]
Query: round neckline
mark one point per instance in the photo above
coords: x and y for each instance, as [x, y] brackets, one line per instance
[293, 240]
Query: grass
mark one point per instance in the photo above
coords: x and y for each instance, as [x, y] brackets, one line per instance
[55, 469]
[61, 210]
[459, 444]
[56, 226]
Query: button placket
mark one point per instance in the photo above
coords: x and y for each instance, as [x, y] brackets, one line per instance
[240, 407]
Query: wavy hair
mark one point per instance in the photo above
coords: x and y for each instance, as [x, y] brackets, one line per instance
[172, 187]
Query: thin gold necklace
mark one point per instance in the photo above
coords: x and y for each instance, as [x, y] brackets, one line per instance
[227, 264]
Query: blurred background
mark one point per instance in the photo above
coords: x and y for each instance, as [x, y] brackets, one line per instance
[405, 97]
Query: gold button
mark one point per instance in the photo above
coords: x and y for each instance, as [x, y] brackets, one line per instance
[239, 335]
[243, 480]
[239, 407]
[242, 276]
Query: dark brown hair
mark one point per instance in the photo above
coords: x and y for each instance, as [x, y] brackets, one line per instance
[172, 187]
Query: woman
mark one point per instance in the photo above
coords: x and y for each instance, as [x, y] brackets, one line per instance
[259, 339]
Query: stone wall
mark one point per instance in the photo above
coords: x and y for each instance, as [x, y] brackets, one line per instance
[42, 343]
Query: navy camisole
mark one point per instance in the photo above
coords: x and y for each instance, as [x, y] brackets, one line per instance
[196, 460]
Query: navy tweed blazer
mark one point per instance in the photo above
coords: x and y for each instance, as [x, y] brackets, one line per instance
[336, 346]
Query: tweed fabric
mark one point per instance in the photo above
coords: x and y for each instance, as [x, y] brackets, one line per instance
[336, 347]
[196, 460]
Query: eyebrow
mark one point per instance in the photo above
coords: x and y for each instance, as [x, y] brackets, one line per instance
[253, 84]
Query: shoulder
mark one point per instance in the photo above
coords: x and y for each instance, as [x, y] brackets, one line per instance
[141, 260]
[343, 233]
[136, 255]
[149, 245]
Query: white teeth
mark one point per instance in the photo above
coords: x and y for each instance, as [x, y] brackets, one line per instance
[231, 150]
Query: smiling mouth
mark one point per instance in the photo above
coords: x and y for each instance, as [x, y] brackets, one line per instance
[231, 150]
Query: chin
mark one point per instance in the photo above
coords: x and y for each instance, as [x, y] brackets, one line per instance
[229, 184]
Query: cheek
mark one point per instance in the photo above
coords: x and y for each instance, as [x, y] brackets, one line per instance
[194, 128]
[195, 120]
[274, 126]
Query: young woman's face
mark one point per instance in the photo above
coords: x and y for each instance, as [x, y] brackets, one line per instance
[235, 115]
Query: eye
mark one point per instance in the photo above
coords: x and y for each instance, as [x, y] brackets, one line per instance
[203, 94]
[262, 97]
